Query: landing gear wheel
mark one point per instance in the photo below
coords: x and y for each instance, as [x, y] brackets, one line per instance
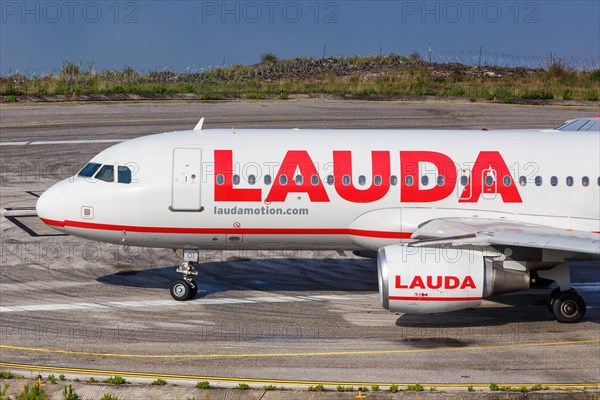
[568, 307]
[193, 290]
[181, 290]
[551, 297]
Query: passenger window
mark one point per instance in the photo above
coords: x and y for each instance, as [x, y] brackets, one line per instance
[464, 180]
[569, 181]
[89, 170]
[268, 179]
[507, 180]
[424, 180]
[554, 181]
[522, 181]
[220, 179]
[441, 181]
[538, 181]
[330, 180]
[393, 180]
[283, 180]
[346, 180]
[124, 174]
[489, 180]
[362, 180]
[585, 181]
[377, 180]
[299, 180]
[252, 179]
[314, 180]
[236, 179]
[409, 180]
[106, 173]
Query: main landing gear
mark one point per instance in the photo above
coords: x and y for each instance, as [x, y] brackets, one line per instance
[186, 288]
[564, 302]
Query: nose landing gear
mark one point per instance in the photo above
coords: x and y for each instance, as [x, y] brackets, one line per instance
[186, 288]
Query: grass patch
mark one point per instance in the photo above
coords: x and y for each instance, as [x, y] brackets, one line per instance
[116, 380]
[242, 386]
[34, 392]
[375, 388]
[52, 379]
[108, 396]
[316, 388]
[383, 75]
[470, 388]
[415, 388]
[159, 382]
[494, 386]
[202, 385]
[69, 393]
[6, 375]
[11, 98]
[270, 387]
[341, 388]
[394, 388]
[91, 379]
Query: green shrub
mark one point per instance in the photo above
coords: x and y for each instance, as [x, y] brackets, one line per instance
[591, 95]
[52, 379]
[567, 94]
[210, 96]
[537, 386]
[537, 95]
[34, 392]
[256, 96]
[203, 385]
[394, 388]
[3, 391]
[159, 382]
[61, 377]
[415, 388]
[345, 388]
[69, 393]
[269, 387]
[595, 75]
[471, 388]
[116, 380]
[317, 388]
[108, 396]
[375, 388]
[242, 386]
[91, 379]
[11, 98]
[6, 375]
[494, 386]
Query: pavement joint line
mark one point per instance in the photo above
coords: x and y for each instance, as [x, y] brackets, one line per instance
[156, 303]
[258, 381]
[305, 354]
[254, 117]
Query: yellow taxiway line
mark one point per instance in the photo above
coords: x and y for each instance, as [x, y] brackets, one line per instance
[305, 354]
[258, 381]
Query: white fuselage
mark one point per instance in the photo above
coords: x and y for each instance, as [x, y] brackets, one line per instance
[343, 189]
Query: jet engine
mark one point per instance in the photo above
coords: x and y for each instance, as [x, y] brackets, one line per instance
[420, 280]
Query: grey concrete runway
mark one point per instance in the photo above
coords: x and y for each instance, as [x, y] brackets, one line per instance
[287, 315]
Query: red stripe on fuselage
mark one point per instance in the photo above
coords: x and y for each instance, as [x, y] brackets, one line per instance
[245, 231]
[425, 298]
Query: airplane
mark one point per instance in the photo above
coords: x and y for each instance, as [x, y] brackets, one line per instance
[452, 216]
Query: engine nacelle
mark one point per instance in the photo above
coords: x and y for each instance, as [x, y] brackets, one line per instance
[422, 280]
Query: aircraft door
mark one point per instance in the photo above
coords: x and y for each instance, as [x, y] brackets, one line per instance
[186, 189]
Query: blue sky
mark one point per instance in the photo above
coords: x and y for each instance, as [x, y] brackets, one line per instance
[36, 36]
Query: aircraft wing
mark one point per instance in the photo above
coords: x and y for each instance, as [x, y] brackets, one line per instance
[489, 232]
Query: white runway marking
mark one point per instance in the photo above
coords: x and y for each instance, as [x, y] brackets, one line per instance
[166, 303]
[56, 142]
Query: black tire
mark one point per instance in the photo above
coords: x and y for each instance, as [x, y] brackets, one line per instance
[180, 290]
[568, 307]
[551, 297]
[193, 291]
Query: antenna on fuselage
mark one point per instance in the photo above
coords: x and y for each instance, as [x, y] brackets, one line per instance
[198, 126]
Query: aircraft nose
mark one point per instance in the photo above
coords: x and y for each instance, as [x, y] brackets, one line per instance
[50, 207]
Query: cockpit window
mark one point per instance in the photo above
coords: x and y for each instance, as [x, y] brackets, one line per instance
[124, 174]
[89, 170]
[106, 173]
